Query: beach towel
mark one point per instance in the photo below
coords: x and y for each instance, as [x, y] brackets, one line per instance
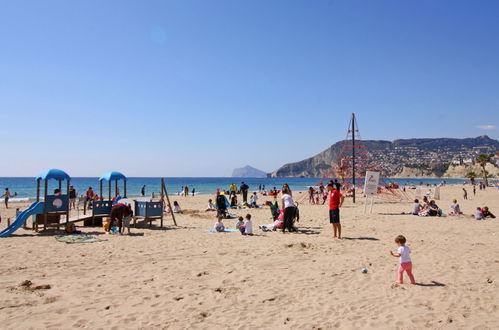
[77, 238]
[227, 230]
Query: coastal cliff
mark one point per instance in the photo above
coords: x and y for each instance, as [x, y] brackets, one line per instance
[434, 158]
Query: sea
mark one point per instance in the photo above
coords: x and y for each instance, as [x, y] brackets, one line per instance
[25, 188]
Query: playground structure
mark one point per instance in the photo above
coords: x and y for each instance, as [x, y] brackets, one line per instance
[353, 162]
[54, 206]
[49, 212]
[102, 208]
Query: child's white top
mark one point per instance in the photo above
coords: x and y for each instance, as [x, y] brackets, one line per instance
[176, 209]
[478, 215]
[219, 226]
[416, 207]
[248, 227]
[405, 253]
[288, 201]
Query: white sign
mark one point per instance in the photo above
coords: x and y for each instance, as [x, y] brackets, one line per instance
[371, 183]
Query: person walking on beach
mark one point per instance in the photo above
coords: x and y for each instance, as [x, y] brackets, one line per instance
[336, 200]
[404, 253]
[244, 189]
[143, 190]
[465, 194]
[193, 191]
[474, 190]
[186, 191]
[6, 195]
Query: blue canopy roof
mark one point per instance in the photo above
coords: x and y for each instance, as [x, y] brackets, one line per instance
[55, 174]
[113, 176]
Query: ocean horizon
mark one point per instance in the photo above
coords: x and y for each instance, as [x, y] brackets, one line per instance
[25, 187]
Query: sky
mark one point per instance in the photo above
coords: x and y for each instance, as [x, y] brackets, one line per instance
[199, 87]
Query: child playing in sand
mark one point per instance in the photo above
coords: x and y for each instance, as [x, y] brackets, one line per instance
[404, 253]
[416, 207]
[248, 226]
[211, 206]
[478, 214]
[176, 207]
[240, 224]
[456, 210]
[219, 225]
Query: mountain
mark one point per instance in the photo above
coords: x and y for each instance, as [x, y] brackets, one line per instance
[248, 172]
[431, 156]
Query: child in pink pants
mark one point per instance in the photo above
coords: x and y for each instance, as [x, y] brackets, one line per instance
[404, 253]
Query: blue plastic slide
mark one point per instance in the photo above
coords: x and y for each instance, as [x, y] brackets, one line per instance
[34, 208]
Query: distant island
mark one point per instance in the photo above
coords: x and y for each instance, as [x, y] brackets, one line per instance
[248, 172]
[434, 158]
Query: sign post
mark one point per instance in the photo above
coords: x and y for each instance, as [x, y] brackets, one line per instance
[371, 183]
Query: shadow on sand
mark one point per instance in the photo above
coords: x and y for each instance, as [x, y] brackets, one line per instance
[361, 238]
[433, 283]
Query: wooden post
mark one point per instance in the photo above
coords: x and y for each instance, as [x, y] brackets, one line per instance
[163, 190]
[38, 189]
[69, 206]
[124, 196]
[45, 201]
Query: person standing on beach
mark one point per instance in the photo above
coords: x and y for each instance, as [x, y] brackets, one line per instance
[89, 197]
[232, 189]
[143, 190]
[404, 253]
[336, 200]
[474, 190]
[193, 191]
[6, 196]
[186, 191]
[244, 189]
[72, 197]
[465, 194]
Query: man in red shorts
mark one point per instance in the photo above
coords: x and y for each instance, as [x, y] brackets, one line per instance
[335, 202]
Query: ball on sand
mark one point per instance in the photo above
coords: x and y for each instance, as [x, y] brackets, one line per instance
[363, 270]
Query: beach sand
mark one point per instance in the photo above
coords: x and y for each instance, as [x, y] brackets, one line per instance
[186, 278]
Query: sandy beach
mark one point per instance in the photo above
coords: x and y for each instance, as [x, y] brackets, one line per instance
[186, 278]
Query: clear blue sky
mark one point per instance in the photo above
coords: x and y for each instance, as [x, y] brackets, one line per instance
[196, 88]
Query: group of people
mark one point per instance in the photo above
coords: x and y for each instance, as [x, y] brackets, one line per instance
[430, 208]
[427, 208]
[244, 225]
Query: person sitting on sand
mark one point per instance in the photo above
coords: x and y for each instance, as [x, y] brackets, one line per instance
[478, 214]
[248, 226]
[416, 207]
[211, 206]
[434, 210]
[425, 204]
[240, 224]
[486, 213]
[176, 207]
[456, 210]
[253, 200]
[233, 202]
[219, 225]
